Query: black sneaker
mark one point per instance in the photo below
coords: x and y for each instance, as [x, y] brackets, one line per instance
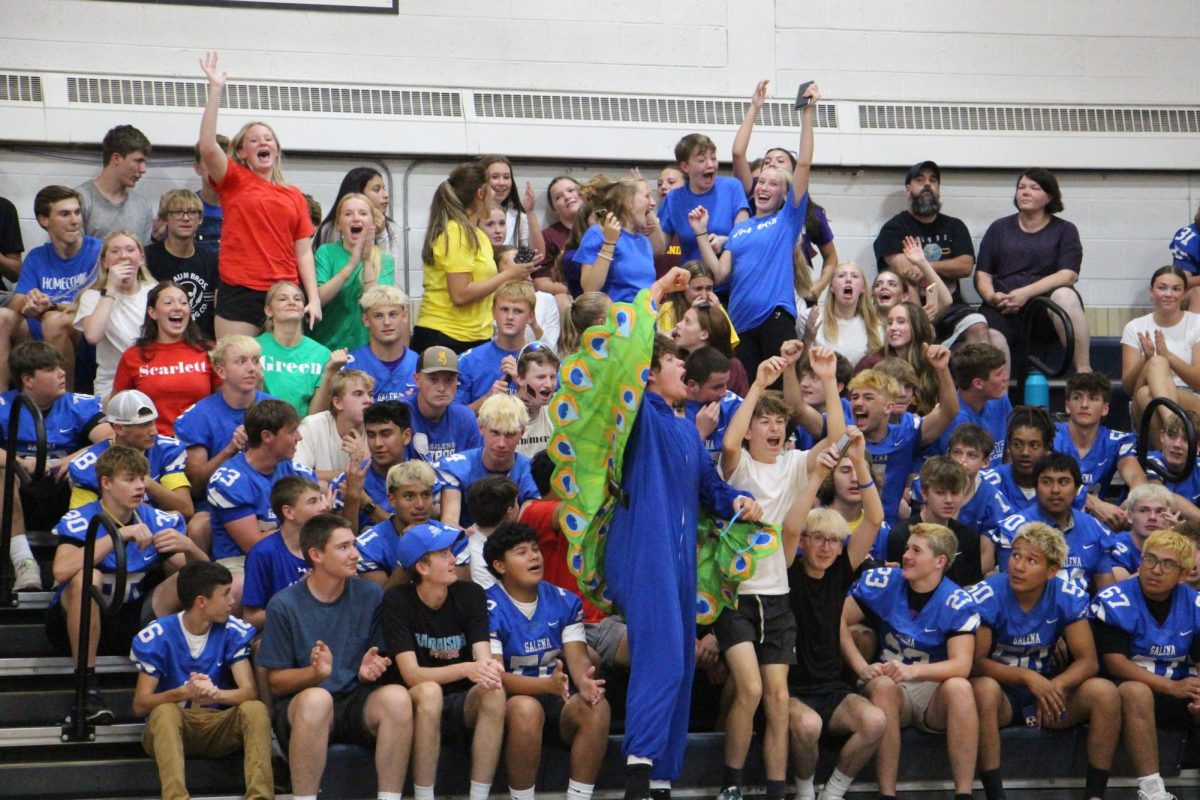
[96, 711]
[660, 794]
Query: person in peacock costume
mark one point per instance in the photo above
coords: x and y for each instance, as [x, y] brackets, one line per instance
[633, 477]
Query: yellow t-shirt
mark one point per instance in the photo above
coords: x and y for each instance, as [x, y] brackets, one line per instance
[667, 321]
[451, 254]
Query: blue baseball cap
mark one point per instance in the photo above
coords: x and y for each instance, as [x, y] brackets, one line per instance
[429, 537]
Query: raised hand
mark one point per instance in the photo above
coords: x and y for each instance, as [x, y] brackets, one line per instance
[337, 359]
[698, 220]
[760, 95]
[824, 362]
[209, 66]
[938, 356]
[611, 228]
[813, 93]
[529, 199]
[791, 351]
[769, 371]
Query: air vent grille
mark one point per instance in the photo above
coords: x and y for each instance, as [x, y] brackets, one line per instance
[1014, 118]
[266, 97]
[691, 112]
[21, 88]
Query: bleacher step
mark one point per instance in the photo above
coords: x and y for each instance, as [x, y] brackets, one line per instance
[53, 735]
[60, 665]
[49, 706]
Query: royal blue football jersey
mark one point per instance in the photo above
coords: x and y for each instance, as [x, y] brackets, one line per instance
[920, 638]
[893, 459]
[1088, 543]
[462, 469]
[1161, 649]
[161, 649]
[530, 645]
[167, 458]
[983, 512]
[394, 383]
[1022, 638]
[66, 421]
[1188, 488]
[1100, 463]
[730, 403]
[238, 490]
[270, 568]
[210, 423]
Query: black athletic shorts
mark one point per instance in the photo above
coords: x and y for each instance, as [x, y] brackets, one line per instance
[764, 619]
[349, 718]
[823, 701]
[241, 304]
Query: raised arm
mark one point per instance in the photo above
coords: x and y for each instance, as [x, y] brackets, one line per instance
[214, 158]
[824, 365]
[720, 265]
[804, 155]
[863, 536]
[937, 420]
[735, 433]
[802, 413]
[741, 142]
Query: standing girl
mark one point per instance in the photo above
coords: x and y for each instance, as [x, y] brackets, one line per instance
[348, 267]
[613, 257]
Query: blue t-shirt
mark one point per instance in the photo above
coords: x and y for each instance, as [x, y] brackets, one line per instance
[1160, 649]
[1185, 249]
[1022, 638]
[374, 484]
[993, 419]
[913, 638]
[1100, 463]
[879, 548]
[73, 528]
[210, 423]
[893, 459]
[208, 232]
[1124, 553]
[457, 430]
[162, 650]
[631, 268]
[460, 470]
[67, 423]
[730, 403]
[348, 625]
[1189, 488]
[167, 458]
[237, 490]
[724, 201]
[983, 512]
[1088, 543]
[763, 278]
[478, 369]
[62, 280]
[393, 382]
[806, 441]
[529, 646]
[270, 568]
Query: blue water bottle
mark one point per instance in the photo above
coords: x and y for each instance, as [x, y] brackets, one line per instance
[1037, 390]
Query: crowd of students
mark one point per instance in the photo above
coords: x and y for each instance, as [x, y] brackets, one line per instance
[343, 525]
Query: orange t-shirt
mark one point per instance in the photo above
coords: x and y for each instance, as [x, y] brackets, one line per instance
[539, 515]
[173, 375]
[263, 222]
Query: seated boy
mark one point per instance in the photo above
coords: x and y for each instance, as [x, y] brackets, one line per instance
[1100, 452]
[1056, 477]
[441, 427]
[1172, 456]
[805, 394]
[491, 367]
[321, 650]
[149, 535]
[493, 499]
[329, 437]
[985, 507]
[502, 421]
[177, 257]
[385, 356]
[131, 415]
[1149, 507]
[946, 483]
[72, 422]
[196, 687]
[277, 561]
[926, 625]
[537, 380]
[981, 377]
[1146, 634]
[436, 628]
[388, 427]
[1028, 437]
[411, 488]
[537, 633]
[239, 492]
[1023, 614]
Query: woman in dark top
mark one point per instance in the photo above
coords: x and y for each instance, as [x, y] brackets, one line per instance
[1030, 254]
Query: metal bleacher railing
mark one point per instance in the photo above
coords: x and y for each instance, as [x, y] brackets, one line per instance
[1032, 360]
[1189, 428]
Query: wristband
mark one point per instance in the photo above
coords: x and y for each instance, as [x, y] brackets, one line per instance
[866, 485]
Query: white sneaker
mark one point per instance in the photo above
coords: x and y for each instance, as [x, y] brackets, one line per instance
[1155, 796]
[29, 576]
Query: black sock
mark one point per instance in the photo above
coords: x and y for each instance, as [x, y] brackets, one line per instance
[887, 797]
[1097, 782]
[963, 796]
[993, 787]
[637, 781]
[731, 776]
[776, 790]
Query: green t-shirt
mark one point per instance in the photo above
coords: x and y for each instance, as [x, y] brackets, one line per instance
[341, 319]
[293, 373]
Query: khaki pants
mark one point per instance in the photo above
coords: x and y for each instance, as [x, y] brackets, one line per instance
[172, 731]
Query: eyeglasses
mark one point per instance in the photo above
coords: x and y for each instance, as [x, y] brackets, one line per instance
[532, 347]
[823, 541]
[193, 213]
[1150, 561]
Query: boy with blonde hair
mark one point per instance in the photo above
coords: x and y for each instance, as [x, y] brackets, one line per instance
[490, 368]
[410, 490]
[177, 258]
[386, 356]
[502, 421]
[331, 437]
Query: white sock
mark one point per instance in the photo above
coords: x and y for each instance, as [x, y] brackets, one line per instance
[390, 795]
[422, 792]
[579, 791]
[479, 791]
[18, 548]
[304, 797]
[660, 785]
[1151, 784]
[631, 760]
[805, 789]
[837, 786]
[521, 794]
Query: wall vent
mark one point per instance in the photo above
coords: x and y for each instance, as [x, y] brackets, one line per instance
[266, 97]
[21, 88]
[893, 117]
[688, 112]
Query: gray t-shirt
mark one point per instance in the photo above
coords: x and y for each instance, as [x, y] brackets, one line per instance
[100, 217]
[348, 625]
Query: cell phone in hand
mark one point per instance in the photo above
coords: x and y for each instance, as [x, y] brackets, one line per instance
[524, 255]
[842, 445]
[801, 100]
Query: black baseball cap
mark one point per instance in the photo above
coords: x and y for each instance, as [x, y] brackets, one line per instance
[916, 168]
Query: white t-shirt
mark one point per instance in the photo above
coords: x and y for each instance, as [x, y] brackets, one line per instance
[124, 324]
[546, 313]
[321, 447]
[511, 235]
[537, 434]
[775, 487]
[479, 570]
[851, 341]
[1181, 338]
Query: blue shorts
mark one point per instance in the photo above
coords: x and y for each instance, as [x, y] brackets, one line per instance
[35, 329]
